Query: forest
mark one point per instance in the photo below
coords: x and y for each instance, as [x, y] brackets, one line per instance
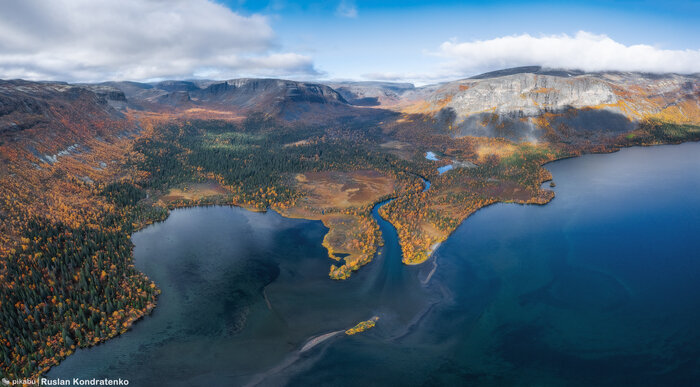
[68, 287]
[67, 272]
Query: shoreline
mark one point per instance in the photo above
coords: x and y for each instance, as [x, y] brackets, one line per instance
[146, 312]
[611, 151]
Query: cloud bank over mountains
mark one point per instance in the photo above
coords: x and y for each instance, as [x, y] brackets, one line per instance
[93, 40]
[584, 51]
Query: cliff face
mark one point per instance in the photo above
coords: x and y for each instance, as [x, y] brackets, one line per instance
[285, 99]
[521, 94]
[248, 93]
[527, 103]
[54, 115]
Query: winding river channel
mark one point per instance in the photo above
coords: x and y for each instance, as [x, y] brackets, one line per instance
[598, 287]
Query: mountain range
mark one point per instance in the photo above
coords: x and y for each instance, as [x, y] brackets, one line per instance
[525, 103]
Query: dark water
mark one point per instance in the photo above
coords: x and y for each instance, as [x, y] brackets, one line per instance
[599, 287]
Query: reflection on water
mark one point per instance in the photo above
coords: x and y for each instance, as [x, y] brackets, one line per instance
[599, 287]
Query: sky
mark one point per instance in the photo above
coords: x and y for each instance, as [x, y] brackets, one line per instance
[402, 41]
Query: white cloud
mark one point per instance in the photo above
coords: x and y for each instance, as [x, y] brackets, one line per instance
[584, 51]
[93, 40]
[346, 8]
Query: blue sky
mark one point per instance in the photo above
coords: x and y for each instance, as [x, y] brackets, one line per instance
[399, 36]
[415, 41]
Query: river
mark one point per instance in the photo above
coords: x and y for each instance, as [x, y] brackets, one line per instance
[598, 287]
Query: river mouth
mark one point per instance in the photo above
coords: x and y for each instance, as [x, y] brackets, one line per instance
[243, 294]
[587, 290]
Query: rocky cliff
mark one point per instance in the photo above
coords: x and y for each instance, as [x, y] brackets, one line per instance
[54, 114]
[527, 103]
[282, 98]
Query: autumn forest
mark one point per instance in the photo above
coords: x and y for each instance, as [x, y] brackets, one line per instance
[77, 184]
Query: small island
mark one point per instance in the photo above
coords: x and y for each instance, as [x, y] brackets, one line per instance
[362, 326]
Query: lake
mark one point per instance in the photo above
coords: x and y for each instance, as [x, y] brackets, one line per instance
[599, 287]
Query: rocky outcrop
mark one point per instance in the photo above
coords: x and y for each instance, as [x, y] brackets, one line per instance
[51, 116]
[252, 92]
[527, 103]
[522, 95]
[282, 98]
[24, 101]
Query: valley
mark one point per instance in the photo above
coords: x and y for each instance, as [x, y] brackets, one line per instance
[85, 166]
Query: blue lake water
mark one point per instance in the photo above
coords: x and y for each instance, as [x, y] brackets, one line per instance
[433, 157]
[445, 168]
[599, 287]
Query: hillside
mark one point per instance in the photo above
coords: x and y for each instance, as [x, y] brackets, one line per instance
[373, 93]
[289, 100]
[55, 111]
[84, 166]
[532, 103]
